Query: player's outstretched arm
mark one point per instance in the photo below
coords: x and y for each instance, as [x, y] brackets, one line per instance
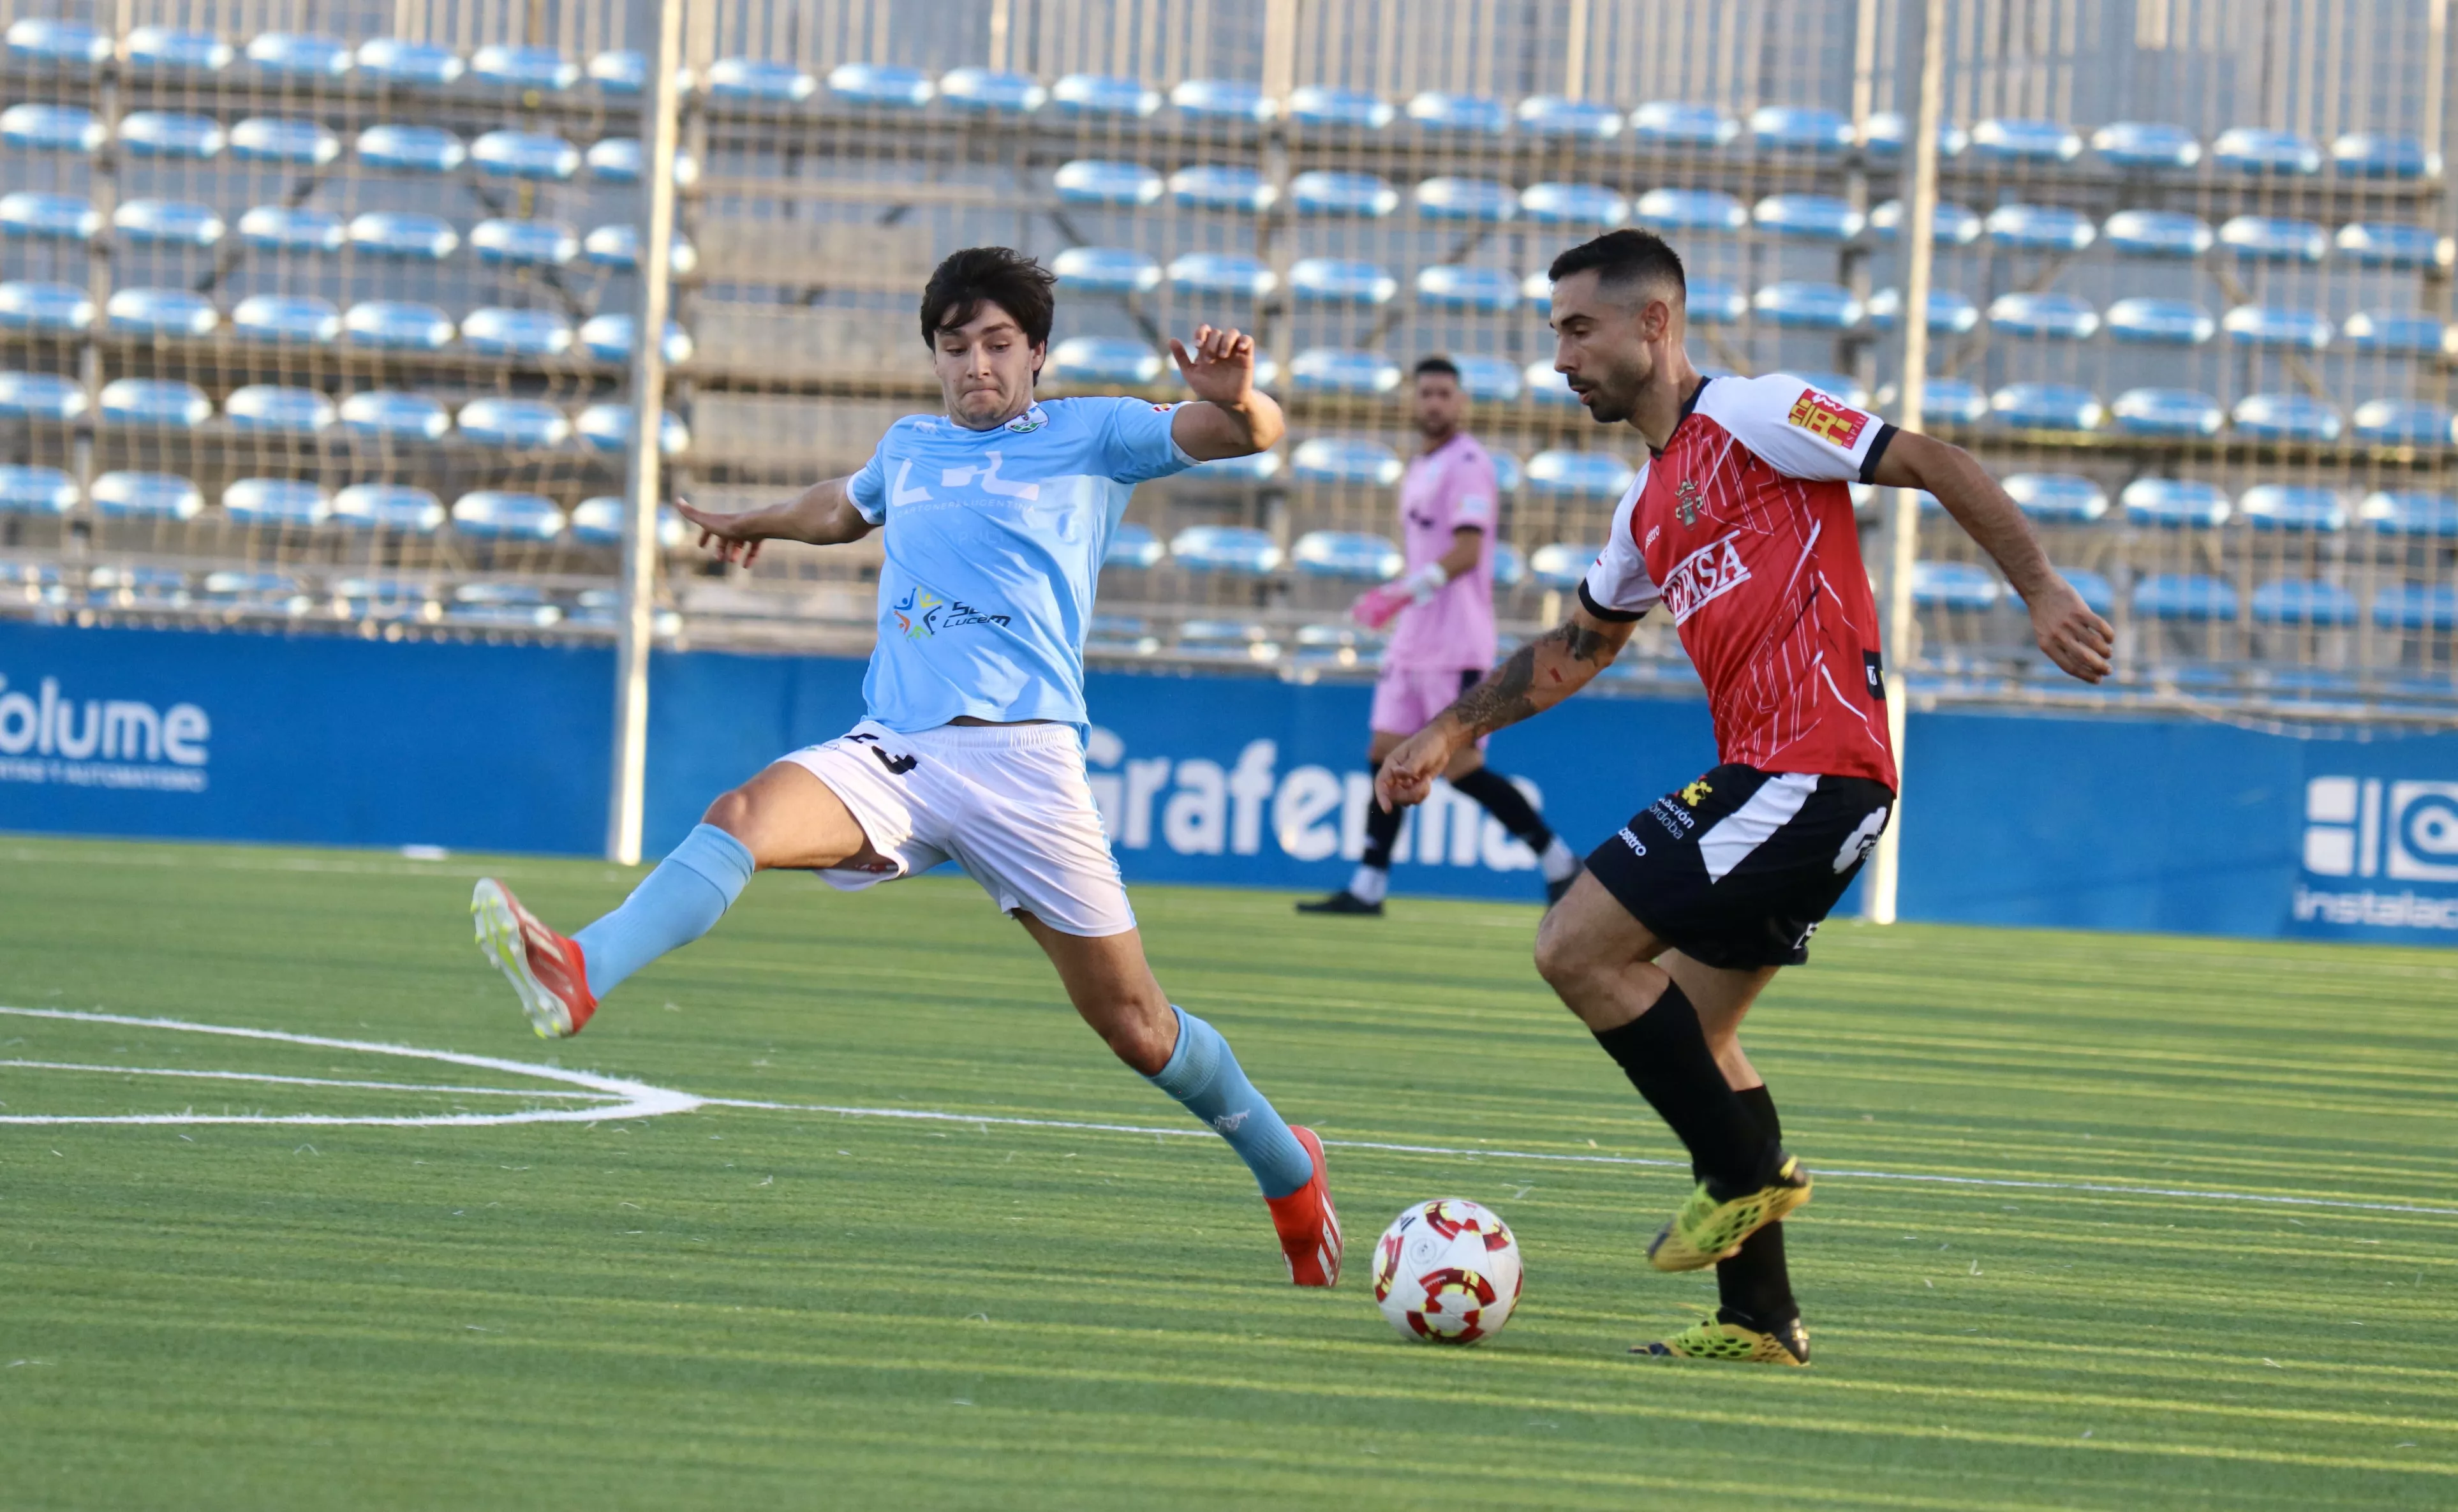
[1538, 676]
[2069, 635]
[1231, 418]
[822, 514]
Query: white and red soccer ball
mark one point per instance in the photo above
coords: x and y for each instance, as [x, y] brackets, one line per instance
[1447, 1272]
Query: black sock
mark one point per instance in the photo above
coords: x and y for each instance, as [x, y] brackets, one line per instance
[1381, 829]
[1509, 805]
[1664, 1052]
[1753, 1286]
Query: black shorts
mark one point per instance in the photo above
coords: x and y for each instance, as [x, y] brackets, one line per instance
[1739, 868]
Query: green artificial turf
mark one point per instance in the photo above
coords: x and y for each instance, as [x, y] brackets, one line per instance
[779, 1308]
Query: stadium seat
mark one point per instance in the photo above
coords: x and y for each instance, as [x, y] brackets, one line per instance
[2402, 333]
[1338, 281]
[1953, 401]
[2401, 423]
[1260, 467]
[1955, 585]
[273, 139]
[1096, 181]
[300, 318]
[161, 47]
[1459, 112]
[1222, 274]
[1713, 301]
[1335, 459]
[1234, 549]
[1134, 547]
[155, 402]
[393, 233]
[2057, 498]
[265, 593]
[1544, 386]
[162, 312]
[2382, 154]
[2392, 512]
[1104, 359]
[1839, 385]
[2257, 150]
[2263, 326]
[1509, 567]
[608, 427]
[2285, 417]
[1551, 116]
[1952, 226]
[1322, 193]
[2303, 601]
[599, 522]
[1100, 95]
[1354, 555]
[2040, 228]
[50, 41]
[51, 127]
[2147, 144]
[1562, 473]
[275, 501]
[1334, 371]
[519, 243]
[36, 491]
[2292, 506]
[2180, 322]
[2099, 594]
[398, 324]
[1690, 210]
[2048, 315]
[2273, 238]
[385, 597]
[494, 331]
[167, 133]
[1223, 99]
[395, 61]
[2046, 406]
[525, 425]
[2176, 503]
[41, 396]
[981, 89]
[413, 149]
[501, 606]
[274, 407]
[1493, 377]
[608, 338]
[287, 228]
[389, 507]
[2385, 244]
[617, 160]
[1105, 270]
[2157, 234]
[173, 222]
[879, 84]
[527, 68]
[1949, 314]
[1885, 133]
[1674, 123]
[1480, 199]
[1561, 566]
[1573, 205]
[395, 416]
[49, 217]
[1792, 128]
[145, 495]
[1326, 105]
[2417, 606]
[2184, 596]
[1447, 286]
[59, 308]
[2005, 139]
[2167, 412]
[491, 514]
[536, 155]
[1806, 305]
[1202, 187]
[1228, 636]
[622, 71]
[617, 246]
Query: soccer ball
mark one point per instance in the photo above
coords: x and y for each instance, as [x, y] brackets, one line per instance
[1447, 1272]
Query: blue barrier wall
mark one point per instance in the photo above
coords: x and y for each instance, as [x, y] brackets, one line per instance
[2108, 822]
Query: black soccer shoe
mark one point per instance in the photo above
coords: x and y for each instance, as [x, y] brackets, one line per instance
[1342, 901]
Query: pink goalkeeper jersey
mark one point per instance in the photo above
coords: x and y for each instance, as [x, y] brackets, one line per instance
[1444, 490]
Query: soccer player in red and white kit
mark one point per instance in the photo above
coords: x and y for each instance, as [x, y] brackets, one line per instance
[1444, 643]
[1740, 528]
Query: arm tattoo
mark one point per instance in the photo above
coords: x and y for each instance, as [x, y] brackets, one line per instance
[1504, 698]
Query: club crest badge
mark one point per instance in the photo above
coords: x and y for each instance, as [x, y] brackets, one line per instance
[1685, 502]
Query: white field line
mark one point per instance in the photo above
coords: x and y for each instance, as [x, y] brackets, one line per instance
[298, 1081]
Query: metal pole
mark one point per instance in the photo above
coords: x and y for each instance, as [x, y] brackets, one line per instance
[1903, 510]
[662, 20]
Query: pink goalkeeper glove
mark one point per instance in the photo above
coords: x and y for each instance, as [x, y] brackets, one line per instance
[1377, 607]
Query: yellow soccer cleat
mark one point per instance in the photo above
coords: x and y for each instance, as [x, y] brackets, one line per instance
[1707, 1229]
[1785, 1344]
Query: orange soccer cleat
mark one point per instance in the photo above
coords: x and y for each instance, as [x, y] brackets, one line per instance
[546, 969]
[1309, 1228]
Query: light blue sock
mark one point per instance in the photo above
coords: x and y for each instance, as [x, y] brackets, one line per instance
[674, 905]
[1204, 1076]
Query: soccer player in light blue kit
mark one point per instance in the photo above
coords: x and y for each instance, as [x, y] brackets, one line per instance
[998, 516]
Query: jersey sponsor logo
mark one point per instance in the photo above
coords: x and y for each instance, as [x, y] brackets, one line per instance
[2366, 827]
[1873, 672]
[899, 495]
[1697, 793]
[1685, 502]
[922, 614]
[1638, 846]
[1858, 845]
[1828, 420]
[986, 477]
[898, 763]
[1474, 507]
[1703, 576]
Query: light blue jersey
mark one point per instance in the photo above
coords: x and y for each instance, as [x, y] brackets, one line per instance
[995, 541]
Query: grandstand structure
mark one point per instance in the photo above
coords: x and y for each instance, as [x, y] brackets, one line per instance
[319, 314]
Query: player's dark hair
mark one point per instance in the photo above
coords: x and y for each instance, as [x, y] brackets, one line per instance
[978, 276]
[1623, 258]
[1442, 366]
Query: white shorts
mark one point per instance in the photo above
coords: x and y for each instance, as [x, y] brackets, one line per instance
[1009, 803]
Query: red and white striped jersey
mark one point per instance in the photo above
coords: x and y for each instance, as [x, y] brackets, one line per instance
[1742, 528]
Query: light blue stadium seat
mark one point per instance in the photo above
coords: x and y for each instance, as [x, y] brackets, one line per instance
[525, 425]
[265, 593]
[41, 396]
[518, 243]
[761, 79]
[2303, 601]
[1447, 286]
[1105, 270]
[49, 41]
[2184, 596]
[2404, 333]
[1674, 123]
[1228, 636]
[2257, 150]
[617, 246]
[1493, 377]
[599, 522]
[389, 507]
[170, 134]
[298, 317]
[2007, 139]
[145, 495]
[1953, 401]
[1102, 94]
[2401, 423]
[2383, 155]
[155, 402]
[395, 61]
[276, 501]
[1339, 280]
[1807, 305]
[537, 156]
[137, 587]
[1885, 133]
[2048, 315]
[2410, 511]
[174, 222]
[273, 139]
[1949, 314]
[879, 84]
[1201, 187]
[161, 47]
[1133, 547]
[2157, 234]
[500, 515]
[1223, 99]
[2057, 498]
[58, 308]
[49, 217]
[162, 312]
[51, 127]
[2099, 594]
[2179, 323]
[617, 160]
[384, 598]
[2167, 412]
[1552, 205]
[608, 427]
[2273, 238]
[275, 407]
[1544, 386]
[494, 331]
[1326, 105]
[413, 149]
[1224, 273]
[501, 606]
[1566, 475]
[1792, 128]
[300, 54]
[528, 67]
[1480, 199]
[623, 71]
[1337, 459]
[1104, 359]
[1561, 566]
[1955, 585]
[1356, 556]
[1509, 567]
[2386, 244]
[2417, 606]
[394, 234]
[608, 338]
[2293, 507]
[1953, 226]
[1713, 301]
[1436, 111]
[292, 228]
[2040, 228]
[395, 416]
[36, 491]
[2046, 406]
[1096, 181]
[1234, 549]
[1551, 116]
[1322, 193]
[2263, 326]
[2285, 417]
[1835, 386]
[1335, 370]
[2176, 503]
[1261, 466]
[1690, 210]
[399, 325]
[2147, 144]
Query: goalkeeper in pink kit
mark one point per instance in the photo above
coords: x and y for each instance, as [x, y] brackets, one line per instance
[1442, 643]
